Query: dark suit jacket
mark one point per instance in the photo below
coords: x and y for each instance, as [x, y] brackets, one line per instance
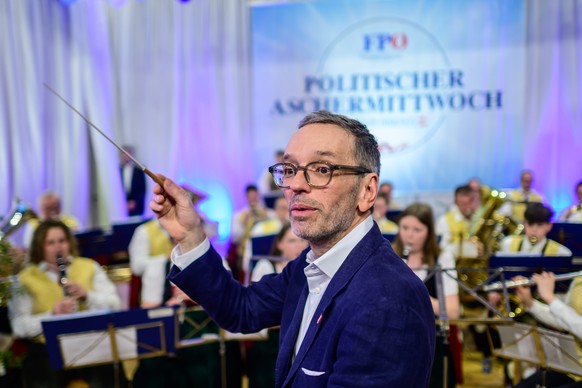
[374, 326]
[137, 191]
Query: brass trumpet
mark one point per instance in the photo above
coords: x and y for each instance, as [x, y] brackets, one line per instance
[527, 282]
[19, 214]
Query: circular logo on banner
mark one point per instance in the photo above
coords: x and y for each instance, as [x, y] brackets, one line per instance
[391, 74]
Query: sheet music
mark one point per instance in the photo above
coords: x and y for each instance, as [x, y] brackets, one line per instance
[559, 350]
[95, 347]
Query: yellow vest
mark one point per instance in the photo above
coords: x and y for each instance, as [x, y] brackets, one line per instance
[70, 221]
[45, 292]
[266, 227]
[551, 248]
[518, 203]
[387, 226]
[459, 228]
[160, 243]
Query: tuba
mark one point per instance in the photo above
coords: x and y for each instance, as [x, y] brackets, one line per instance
[19, 214]
[489, 227]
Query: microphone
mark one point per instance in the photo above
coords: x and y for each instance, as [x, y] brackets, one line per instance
[406, 252]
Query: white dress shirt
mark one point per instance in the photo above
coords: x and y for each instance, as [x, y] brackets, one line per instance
[321, 270]
[139, 250]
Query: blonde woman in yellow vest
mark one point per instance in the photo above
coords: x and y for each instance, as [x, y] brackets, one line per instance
[563, 312]
[43, 294]
[536, 226]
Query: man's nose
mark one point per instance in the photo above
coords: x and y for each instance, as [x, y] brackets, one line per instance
[299, 182]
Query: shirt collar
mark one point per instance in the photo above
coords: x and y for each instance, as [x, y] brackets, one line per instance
[330, 262]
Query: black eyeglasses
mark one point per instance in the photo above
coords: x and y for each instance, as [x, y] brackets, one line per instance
[317, 174]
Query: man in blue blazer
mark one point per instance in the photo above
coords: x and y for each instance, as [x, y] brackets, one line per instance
[352, 314]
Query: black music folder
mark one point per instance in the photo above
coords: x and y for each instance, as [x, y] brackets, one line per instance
[262, 245]
[568, 234]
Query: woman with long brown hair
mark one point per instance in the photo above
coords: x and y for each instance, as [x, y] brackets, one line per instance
[56, 282]
[416, 242]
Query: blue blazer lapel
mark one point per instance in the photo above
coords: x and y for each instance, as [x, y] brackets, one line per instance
[348, 269]
[287, 343]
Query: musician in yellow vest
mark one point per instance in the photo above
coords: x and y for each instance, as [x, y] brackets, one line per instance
[574, 213]
[49, 208]
[536, 226]
[518, 199]
[47, 289]
[454, 226]
[563, 312]
[379, 215]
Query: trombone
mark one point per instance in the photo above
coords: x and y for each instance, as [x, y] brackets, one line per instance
[527, 282]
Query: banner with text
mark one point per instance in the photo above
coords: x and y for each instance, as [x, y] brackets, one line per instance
[439, 83]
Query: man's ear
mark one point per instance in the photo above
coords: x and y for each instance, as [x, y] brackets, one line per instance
[368, 192]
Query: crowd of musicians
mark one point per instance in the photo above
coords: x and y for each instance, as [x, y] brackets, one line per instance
[55, 280]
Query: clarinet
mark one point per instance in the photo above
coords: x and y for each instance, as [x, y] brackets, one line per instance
[406, 252]
[62, 267]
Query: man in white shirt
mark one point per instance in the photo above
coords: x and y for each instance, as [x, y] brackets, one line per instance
[350, 309]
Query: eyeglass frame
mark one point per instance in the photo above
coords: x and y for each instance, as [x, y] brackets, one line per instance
[356, 170]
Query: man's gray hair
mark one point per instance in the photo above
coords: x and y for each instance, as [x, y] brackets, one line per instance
[366, 149]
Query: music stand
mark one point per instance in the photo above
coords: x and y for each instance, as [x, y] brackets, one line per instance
[103, 337]
[546, 348]
[121, 234]
[262, 245]
[96, 244]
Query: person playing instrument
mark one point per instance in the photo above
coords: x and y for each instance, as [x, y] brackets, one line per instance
[349, 308]
[416, 242]
[454, 225]
[562, 312]
[253, 221]
[520, 197]
[247, 217]
[574, 212]
[537, 225]
[49, 206]
[48, 289]
[379, 215]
